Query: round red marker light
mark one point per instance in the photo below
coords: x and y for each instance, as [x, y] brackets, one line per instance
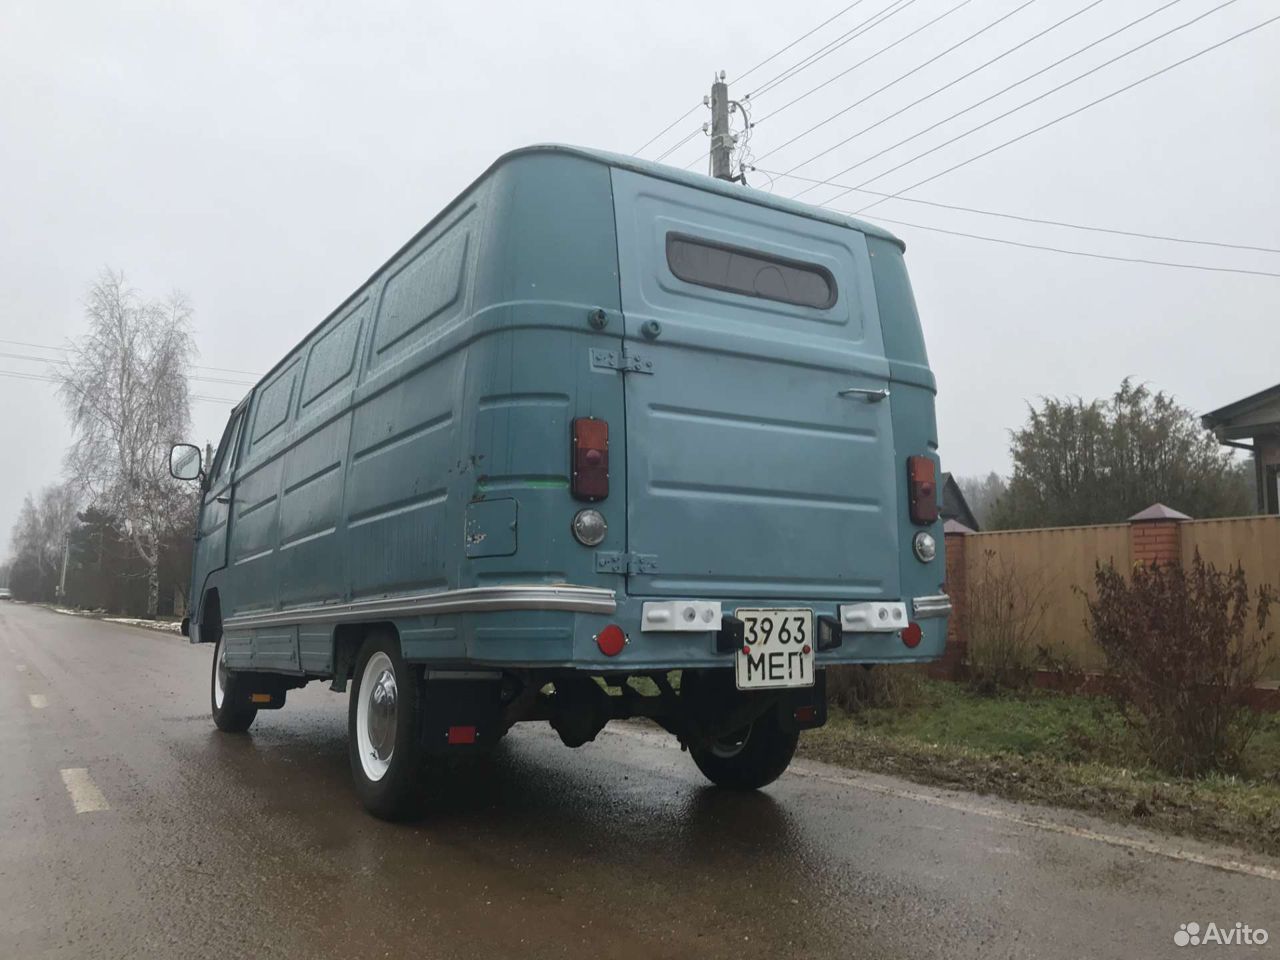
[912, 634]
[746, 651]
[611, 640]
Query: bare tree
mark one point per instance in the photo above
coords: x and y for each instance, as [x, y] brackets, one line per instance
[125, 392]
[40, 534]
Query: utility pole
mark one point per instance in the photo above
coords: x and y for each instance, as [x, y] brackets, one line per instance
[721, 138]
[62, 580]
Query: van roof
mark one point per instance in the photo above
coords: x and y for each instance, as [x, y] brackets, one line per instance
[622, 161]
[701, 182]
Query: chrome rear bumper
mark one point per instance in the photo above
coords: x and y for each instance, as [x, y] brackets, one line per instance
[938, 605]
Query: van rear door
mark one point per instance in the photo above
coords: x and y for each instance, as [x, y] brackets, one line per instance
[760, 455]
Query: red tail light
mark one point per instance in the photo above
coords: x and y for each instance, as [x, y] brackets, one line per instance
[590, 459]
[922, 485]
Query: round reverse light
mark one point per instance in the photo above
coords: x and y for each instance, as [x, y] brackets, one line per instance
[924, 546]
[589, 527]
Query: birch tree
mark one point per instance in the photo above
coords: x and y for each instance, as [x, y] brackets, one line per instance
[125, 393]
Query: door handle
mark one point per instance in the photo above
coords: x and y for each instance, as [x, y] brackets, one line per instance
[867, 394]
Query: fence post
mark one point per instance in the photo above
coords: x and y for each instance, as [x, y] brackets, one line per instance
[951, 666]
[1155, 535]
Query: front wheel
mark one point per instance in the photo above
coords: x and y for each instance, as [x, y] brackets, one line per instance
[751, 758]
[382, 729]
[232, 711]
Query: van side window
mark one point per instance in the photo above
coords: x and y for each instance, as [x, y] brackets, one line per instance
[225, 457]
[273, 406]
[332, 357]
[751, 273]
[420, 291]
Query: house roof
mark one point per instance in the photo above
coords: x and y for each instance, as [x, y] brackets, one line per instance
[955, 506]
[1246, 417]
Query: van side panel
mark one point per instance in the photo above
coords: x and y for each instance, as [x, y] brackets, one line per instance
[404, 479]
[255, 522]
[549, 260]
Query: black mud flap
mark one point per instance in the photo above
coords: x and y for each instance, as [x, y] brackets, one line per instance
[804, 708]
[266, 691]
[461, 716]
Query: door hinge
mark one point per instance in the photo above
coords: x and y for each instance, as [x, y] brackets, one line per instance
[624, 360]
[626, 563]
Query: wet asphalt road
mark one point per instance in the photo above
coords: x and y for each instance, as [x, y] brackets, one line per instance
[254, 846]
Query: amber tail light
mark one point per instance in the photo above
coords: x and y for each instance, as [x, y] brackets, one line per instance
[590, 480]
[922, 488]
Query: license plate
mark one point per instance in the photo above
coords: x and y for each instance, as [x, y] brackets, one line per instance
[777, 648]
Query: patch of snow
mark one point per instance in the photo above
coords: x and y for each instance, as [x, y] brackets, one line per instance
[72, 613]
[167, 626]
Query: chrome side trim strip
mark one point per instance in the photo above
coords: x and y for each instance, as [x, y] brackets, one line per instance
[938, 605]
[514, 596]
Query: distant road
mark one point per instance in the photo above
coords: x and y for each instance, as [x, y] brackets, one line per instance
[130, 828]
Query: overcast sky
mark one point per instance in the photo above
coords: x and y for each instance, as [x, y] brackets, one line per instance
[265, 158]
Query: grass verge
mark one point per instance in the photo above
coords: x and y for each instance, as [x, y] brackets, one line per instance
[1056, 749]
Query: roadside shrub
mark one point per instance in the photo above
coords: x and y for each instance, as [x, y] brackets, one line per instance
[1184, 649]
[855, 687]
[1004, 612]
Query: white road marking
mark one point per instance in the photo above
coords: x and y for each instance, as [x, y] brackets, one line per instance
[85, 795]
[814, 771]
[38, 700]
[22, 667]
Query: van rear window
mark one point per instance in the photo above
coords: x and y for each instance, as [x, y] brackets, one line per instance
[750, 272]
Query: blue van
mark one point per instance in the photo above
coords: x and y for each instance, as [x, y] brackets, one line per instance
[603, 440]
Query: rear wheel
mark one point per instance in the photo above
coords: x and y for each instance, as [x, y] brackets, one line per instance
[749, 758]
[232, 712]
[382, 729]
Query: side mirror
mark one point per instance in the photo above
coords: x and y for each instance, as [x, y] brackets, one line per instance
[184, 462]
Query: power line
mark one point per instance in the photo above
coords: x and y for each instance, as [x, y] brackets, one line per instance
[670, 150]
[848, 70]
[687, 113]
[774, 56]
[1092, 103]
[1025, 219]
[927, 96]
[1075, 253]
[974, 106]
[21, 375]
[65, 362]
[197, 366]
[894, 7]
